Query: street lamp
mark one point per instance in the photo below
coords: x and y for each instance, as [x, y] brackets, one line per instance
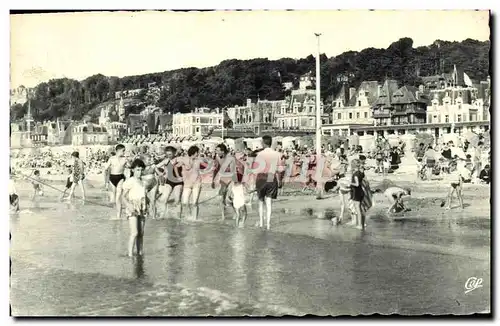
[319, 160]
[318, 101]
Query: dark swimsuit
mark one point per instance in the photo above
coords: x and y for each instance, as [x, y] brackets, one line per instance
[173, 180]
[116, 178]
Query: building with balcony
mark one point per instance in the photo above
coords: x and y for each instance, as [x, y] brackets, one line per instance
[89, 134]
[298, 111]
[200, 122]
[455, 106]
[351, 108]
[256, 118]
[399, 106]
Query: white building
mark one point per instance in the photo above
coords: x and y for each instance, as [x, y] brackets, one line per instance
[456, 105]
[298, 111]
[198, 123]
[352, 108]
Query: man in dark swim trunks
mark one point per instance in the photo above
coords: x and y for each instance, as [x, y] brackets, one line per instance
[114, 174]
[267, 179]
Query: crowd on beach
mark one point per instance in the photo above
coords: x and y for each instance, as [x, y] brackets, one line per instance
[144, 176]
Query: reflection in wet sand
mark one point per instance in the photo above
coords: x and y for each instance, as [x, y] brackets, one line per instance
[199, 269]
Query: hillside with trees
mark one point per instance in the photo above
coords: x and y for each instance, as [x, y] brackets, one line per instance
[233, 81]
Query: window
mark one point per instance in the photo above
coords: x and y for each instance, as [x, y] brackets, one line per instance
[197, 129]
[446, 118]
[197, 120]
[339, 116]
[359, 103]
[357, 115]
[219, 121]
[459, 106]
[366, 115]
[334, 104]
[350, 115]
[459, 118]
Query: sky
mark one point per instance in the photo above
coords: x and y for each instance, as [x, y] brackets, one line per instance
[78, 45]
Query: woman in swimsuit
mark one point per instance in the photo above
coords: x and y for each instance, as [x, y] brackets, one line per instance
[151, 183]
[169, 173]
[192, 181]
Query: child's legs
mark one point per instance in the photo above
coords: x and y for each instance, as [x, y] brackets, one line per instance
[152, 201]
[243, 214]
[343, 204]
[357, 209]
[460, 196]
[168, 192]
[195, 199]
[72, 191]
[186, 195]
[133, 227]
[82, 188]
[450, 196]
[140, 234]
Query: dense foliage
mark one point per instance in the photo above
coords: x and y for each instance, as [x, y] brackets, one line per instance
[233, 81]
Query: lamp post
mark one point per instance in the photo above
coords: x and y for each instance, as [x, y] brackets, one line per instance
[318, 101]
[319, 160]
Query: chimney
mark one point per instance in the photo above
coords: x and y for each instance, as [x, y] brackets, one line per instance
[249, 102]
[379, 90]
[417, 95]
[352, 91]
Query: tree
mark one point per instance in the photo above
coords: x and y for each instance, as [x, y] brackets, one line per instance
[233, 81]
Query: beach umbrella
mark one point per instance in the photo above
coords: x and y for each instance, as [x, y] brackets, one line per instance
[472, 138]
[367, 142]
[353, 140]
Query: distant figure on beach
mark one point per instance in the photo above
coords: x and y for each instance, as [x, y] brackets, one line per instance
[69, 182]
[78, 169]
[484, 175]
[396, 195]
[458, 177]
[37, 186]
[13, 196]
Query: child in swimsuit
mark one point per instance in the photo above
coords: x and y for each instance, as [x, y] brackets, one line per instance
[37, 187]
[69, 182]
[135, 199]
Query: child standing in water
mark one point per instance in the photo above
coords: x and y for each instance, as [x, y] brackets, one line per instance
[135, 199]
[37, 186]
